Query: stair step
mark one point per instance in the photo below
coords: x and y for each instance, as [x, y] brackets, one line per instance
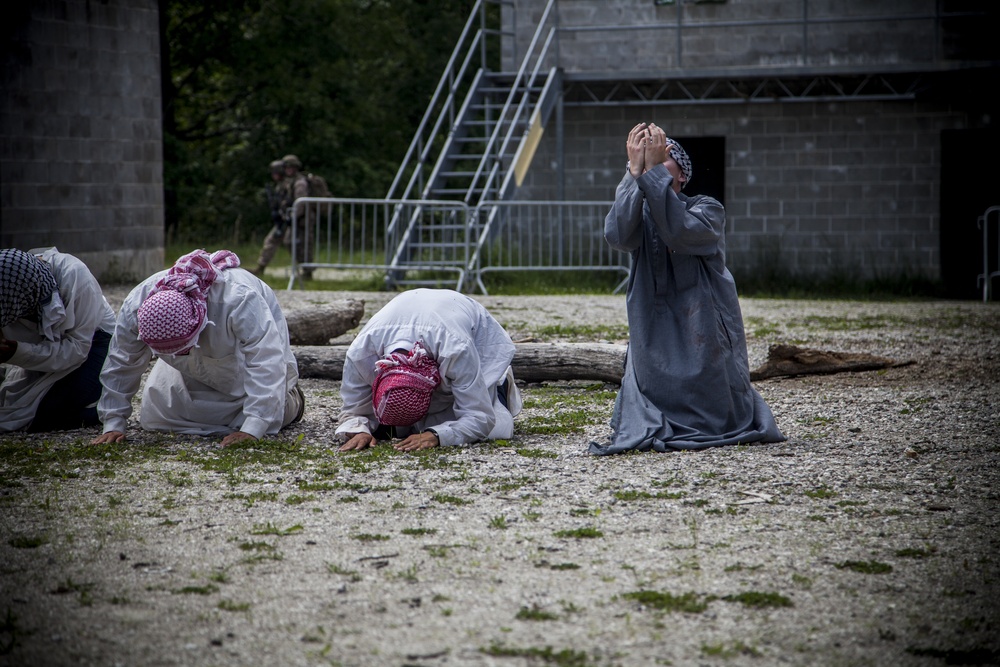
[452, 191]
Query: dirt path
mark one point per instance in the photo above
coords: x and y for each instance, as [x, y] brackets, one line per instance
[869, 538]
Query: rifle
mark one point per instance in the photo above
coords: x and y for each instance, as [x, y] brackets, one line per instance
[274, 203]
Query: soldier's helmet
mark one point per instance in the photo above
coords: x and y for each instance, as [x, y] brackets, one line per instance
[277, 166]
[292, 161]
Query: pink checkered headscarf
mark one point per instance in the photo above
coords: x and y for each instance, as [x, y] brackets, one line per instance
[404, 382]
[173, 315]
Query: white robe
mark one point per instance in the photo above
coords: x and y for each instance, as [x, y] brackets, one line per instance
[473, 353]
[237, 378]
[51, 349]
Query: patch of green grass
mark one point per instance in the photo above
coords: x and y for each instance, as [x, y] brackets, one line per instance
[633, 494]
[251, 453]
[271, 529]
[735, 649]
[207, 589]
[914, 553]
[821, 493]
[370, 537]
[759, 600]
[437, 550]
[802, 580]
[252, 498]
[523, 283]
[760, 328]
[333, 568]
[35, 459]
[585, 332]
[865, 566]
[585, 511]
[180, 480]
[535, 614]
[548, 655]
[219, 577]
[296, 499]
[740, 567]
[498, 522]
[529, 453]
[580, 533]
[689, 603]
[418, 531]
[566, 422]
[229, 605]
[566, 412]
[863, 322]
[256, 546]
[445, 499]
[508, 483]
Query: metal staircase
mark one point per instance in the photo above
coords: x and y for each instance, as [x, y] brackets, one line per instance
[474, 145]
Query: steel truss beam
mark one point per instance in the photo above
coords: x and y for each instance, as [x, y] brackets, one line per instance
[720, 90]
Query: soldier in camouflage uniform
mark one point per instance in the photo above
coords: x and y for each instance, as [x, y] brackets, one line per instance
[298, 186]
[278, 201]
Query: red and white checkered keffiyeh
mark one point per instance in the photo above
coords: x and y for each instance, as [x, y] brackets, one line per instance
[173, 315]
[404, 382]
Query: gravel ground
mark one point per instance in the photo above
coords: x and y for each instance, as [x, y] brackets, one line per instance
[869, 538]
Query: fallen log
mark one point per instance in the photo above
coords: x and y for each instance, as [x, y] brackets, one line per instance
[540, 362]
[317, 324]
[790, 361]
[533, 362]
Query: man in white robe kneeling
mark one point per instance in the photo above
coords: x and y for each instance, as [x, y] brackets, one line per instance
[431, 368]
[224, 362]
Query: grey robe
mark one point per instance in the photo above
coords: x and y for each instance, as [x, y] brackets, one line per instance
[687, 378]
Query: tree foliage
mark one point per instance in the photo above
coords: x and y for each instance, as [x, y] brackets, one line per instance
[340, 83]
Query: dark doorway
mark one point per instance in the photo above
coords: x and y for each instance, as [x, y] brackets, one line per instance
[969, 174]
[708, 161]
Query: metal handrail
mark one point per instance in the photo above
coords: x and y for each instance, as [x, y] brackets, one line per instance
[987, 276]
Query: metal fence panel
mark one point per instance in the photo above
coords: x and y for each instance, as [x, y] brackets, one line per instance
[545, 236]
[388, 235]
[439, 237]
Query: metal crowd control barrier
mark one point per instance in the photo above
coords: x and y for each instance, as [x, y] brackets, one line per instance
[390, 235]
[987, 276]
[417, 242]
[544, 236]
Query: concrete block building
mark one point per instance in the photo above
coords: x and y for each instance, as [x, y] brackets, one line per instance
[849, 136]
[81, 156]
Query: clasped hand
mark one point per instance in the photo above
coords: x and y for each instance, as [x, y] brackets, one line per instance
[647, 147]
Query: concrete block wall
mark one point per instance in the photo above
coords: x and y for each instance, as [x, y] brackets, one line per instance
[818, 187]
[81, 158]
[608, 36]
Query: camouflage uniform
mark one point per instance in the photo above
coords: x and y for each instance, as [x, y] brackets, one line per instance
[298, 186]
[278, 201]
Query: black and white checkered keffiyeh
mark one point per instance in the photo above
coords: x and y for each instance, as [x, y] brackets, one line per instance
[26, 284]
[682, 159]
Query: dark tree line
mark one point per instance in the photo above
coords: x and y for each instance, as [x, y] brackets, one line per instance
[340, 83]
